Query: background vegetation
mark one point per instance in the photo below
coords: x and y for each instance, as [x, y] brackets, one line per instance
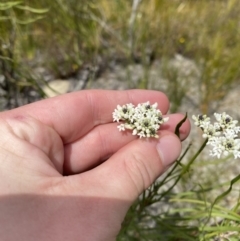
[63, 36]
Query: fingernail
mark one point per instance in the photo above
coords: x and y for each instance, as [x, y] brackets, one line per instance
[169, 148]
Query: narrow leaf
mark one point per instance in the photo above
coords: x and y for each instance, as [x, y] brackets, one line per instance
[8, 5]
[28, 21]
[177, 129]
[33, 10]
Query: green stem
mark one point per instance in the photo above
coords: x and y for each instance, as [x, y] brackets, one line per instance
[184, 171]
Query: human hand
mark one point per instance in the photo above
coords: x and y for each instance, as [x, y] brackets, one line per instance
[67, 173]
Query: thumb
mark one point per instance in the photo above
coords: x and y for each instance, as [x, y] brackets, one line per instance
[135, 166]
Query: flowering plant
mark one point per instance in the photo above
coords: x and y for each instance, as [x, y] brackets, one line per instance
[144, 120]
[222, 135]
[198, 204]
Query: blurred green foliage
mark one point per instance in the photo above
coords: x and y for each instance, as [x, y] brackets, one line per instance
[64, 35]
[15, 17]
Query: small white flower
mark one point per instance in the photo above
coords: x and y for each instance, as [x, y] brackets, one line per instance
[165, 119]
[144, 120]
[141, 134]
[222, 135]
[209, 130]
[224, 146]
[116, 116]
[236, 129]
[201, 120]
[135, 131]
[225, 120]
[121, 127]
[230, 133]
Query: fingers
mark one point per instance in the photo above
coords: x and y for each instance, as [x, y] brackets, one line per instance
[134, 167]
[28, 139]
[104, 140]
[115, 184]
[75, 114]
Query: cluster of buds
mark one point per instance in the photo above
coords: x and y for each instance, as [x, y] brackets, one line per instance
[222, 135]
[143, 120]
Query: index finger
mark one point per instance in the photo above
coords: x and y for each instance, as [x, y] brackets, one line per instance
[75, 114]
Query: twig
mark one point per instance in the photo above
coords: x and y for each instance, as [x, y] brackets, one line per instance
[135, 6]
[105, 26]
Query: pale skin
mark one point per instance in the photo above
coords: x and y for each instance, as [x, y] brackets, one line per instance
[67, 173]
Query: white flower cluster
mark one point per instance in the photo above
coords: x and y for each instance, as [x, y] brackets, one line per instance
[222, 135]
[144, 120]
